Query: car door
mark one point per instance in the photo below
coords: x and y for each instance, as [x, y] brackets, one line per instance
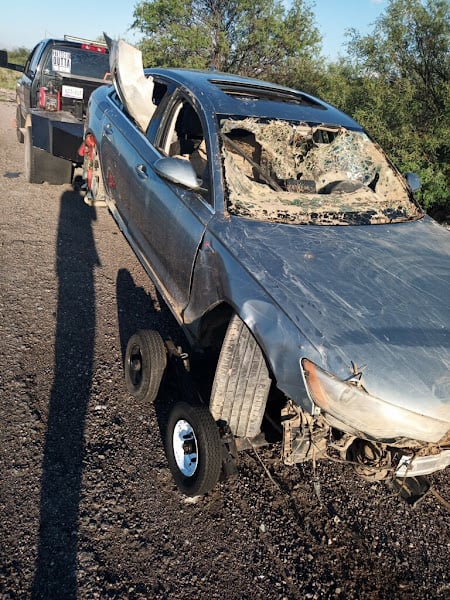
[165, 221]
[118, 139]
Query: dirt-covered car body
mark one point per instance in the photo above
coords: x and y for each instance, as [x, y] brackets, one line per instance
[244, 198]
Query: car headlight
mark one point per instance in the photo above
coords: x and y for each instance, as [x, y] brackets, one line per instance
[349, 407]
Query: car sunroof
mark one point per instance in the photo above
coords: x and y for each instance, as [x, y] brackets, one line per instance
[255, 92]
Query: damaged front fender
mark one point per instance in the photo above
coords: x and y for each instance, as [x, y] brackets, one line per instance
[349, 407]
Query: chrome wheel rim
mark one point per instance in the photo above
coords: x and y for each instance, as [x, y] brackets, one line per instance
[185, 447]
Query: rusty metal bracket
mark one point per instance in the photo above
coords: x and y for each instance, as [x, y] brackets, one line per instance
[302, 440]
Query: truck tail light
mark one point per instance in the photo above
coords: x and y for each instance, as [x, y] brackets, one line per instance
[94, 48]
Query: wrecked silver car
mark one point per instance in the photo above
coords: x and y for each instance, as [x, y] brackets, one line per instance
[294, 256]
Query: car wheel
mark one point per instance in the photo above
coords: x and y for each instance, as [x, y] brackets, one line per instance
[145, 362]
[241, 384]
[19, 125]
[97, 187]
[193, 448]
[96, 194]
[41, 166]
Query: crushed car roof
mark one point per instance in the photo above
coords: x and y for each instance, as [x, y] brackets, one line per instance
[224, 93]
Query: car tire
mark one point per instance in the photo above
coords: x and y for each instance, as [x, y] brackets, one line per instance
[193, 448]
[241, 384]
[19, 125]
[96, 193]
[41, 166]
[145, 362]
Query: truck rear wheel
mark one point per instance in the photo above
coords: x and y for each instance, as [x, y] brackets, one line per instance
[41, 166]
[241, 384]
[19, 125]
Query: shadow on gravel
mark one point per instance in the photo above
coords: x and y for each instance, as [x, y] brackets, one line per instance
[135, 309]
[76, 259]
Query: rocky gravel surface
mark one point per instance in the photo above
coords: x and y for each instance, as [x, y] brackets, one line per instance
[88, 506]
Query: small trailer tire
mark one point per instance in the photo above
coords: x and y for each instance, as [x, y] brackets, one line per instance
[193, 448]
[145, 362]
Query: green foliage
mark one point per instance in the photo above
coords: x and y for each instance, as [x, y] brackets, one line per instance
[19, 56]
[249, 37]
[396, 83]
[8, 77]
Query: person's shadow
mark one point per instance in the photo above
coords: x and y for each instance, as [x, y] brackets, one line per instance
[76, 259]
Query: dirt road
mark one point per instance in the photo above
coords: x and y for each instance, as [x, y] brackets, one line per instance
[88, 506]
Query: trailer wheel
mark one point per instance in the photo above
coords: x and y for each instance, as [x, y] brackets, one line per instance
[41, 166]
[193, 448]
[241, 384]
[145, 362]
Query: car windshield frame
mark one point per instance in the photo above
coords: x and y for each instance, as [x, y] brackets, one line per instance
[298, 172]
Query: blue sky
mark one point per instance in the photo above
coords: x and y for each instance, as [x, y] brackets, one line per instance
[25, 22]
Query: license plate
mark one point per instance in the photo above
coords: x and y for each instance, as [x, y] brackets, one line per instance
[70, 91]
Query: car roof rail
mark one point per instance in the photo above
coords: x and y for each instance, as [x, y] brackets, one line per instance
[72, 38]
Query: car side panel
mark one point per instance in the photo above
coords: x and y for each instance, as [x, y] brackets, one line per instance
[165, 222]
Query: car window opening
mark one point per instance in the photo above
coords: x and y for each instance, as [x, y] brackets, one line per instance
[187, 140]
[318, 174]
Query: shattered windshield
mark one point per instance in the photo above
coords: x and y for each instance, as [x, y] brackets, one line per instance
[310, 174]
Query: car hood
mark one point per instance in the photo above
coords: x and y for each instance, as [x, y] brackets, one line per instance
[377, 296]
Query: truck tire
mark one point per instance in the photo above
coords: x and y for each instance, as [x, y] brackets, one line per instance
[193, 448]
[145, 362]
[41, 166]
[19, 125]
[241, 384]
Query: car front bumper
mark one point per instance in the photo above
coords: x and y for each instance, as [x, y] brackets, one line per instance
[412, 466]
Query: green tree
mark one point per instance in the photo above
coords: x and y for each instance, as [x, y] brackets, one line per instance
[249, 37]
[8, 77]
[398, 88]
[410, 41]
[19, 56]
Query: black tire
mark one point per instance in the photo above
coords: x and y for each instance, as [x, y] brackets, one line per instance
[19, 125]
[193, 448]
[41, 166]
[241, 384]
[145, 362]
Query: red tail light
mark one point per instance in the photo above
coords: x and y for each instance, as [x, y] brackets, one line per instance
[94, 48]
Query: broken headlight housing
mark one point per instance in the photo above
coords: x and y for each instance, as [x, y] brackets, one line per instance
[347, 406]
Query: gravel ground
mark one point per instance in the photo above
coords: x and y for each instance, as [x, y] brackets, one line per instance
[88, 507]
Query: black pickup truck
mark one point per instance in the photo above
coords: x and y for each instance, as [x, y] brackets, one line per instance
[52, 96]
